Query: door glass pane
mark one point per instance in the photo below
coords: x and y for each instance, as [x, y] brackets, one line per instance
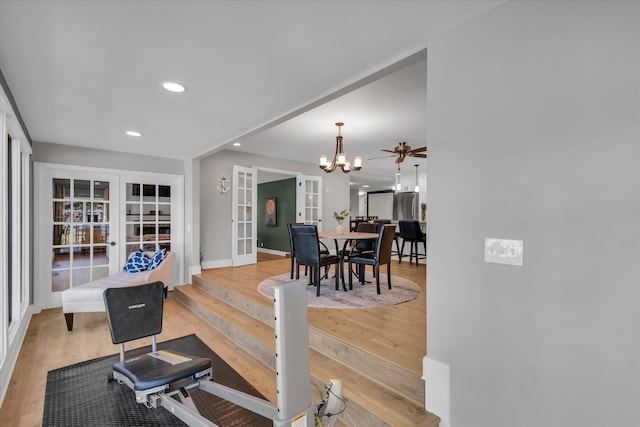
[61, 188]
[133, 192]
[164, 193]
[101, 190]
[100, 272]
[99, 234]
[61, 258]
[81, 276]
[164, 231]
[149, 192]
[133, 235]
[60, 280]
[81, 189]
[100, 255]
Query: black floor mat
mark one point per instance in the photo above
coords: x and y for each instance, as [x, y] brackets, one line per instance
[80, 395]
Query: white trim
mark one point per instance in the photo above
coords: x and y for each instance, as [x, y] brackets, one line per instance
[273, 251]
[9, 362]
[437, 389]
[217, 263]
[12, 336]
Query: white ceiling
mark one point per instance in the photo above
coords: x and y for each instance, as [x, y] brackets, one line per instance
[273, 75]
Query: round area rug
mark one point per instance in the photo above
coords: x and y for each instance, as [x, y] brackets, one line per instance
[362, 296]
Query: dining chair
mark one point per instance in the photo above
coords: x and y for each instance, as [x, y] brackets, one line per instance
[294, 265]
[382, 223]
[307, 247]
[410, 232]
[380, 256]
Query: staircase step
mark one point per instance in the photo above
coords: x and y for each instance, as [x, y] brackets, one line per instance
[368, 402]
[396, 378]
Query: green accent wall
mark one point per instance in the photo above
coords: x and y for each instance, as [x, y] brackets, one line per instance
[276, 238]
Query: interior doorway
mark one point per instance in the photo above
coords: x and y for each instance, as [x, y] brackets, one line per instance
[267, 247]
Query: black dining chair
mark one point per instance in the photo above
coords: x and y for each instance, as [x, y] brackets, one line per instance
[382, 223]
[294, 265]
[364, 245]
[307, 247]
[380, 256]
[410, 232]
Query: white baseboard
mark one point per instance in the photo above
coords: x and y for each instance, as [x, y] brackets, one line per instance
[437, 389]
[194, 269]
[272, 251]
[12, 354]
[217, 263]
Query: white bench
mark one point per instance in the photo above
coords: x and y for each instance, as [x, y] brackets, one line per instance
[88, 298]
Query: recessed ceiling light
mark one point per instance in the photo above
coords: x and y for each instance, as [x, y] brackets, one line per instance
[173, 87]
[365, 186]
[133, 133]
[236, 144]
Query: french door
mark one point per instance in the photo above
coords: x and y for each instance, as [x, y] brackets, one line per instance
[244, 227]
[88, 220]
[77, 210]
[309, 200]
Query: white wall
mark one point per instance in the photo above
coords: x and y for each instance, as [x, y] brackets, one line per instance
[534, 134]
[215, 213]
[82, 156]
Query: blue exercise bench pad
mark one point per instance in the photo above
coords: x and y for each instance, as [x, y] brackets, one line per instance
[162, 367]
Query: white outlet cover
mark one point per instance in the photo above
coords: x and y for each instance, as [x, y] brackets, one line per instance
[503, 251]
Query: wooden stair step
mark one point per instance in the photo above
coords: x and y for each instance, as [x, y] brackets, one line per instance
[409, 384]
[367, 401]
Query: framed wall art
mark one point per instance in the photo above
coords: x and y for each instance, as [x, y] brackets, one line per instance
[271, 211]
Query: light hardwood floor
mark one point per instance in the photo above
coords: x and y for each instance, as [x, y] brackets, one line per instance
[397, 333]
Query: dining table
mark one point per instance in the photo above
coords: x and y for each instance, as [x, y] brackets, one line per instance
[347, 236]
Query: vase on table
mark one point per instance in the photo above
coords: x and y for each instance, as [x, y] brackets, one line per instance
[340, 228]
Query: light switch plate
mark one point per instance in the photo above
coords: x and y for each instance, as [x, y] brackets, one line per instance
[503, 251]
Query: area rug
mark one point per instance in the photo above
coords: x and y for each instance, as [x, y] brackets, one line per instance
[362, 296]
[80, 395]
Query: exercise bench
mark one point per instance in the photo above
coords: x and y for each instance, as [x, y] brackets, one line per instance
[136, 312]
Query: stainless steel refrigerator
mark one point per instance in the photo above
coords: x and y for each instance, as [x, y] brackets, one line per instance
[406, 206]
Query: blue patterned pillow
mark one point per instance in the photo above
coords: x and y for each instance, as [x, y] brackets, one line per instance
[137, 262]
[157, 258]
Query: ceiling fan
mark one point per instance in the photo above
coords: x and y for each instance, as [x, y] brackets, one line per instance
[404, 150]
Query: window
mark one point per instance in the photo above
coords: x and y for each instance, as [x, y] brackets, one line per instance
[15, 261]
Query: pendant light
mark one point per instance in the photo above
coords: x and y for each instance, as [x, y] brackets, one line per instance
[339, 158]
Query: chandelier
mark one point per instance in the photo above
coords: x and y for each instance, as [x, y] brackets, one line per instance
[339, 158]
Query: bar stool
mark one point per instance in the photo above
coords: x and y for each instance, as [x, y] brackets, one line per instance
[410, 232]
